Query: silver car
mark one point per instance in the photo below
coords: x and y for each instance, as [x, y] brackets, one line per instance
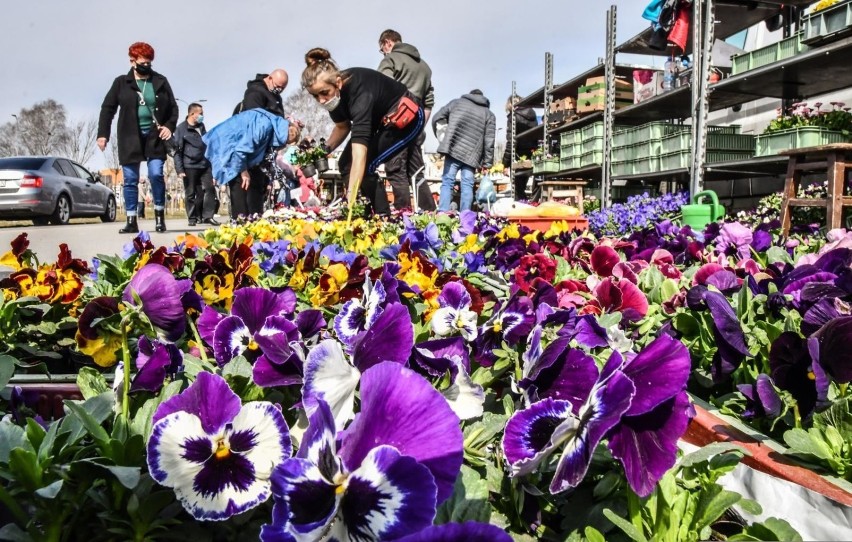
[51, 189]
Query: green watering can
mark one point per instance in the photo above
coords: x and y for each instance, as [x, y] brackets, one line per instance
[698, 215]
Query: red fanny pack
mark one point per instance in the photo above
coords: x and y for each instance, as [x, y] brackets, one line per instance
[406, 111]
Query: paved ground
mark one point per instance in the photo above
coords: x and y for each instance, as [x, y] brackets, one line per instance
[87, 238]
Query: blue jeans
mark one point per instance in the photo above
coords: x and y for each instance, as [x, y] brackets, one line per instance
[448, 180]
[131, 185]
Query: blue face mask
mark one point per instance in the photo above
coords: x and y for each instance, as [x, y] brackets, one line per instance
[200, 119]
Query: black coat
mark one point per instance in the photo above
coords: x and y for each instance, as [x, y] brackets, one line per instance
[257, 96]
[525, 119]
[190, 147]
[123, 96]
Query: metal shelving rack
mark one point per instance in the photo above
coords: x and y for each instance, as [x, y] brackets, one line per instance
[798, 77]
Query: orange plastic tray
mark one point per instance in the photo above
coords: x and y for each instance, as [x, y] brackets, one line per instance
[543, 223]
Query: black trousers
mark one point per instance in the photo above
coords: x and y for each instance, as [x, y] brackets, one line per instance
[200, 193]
[401, 168]
[385, 144]
[248, 202]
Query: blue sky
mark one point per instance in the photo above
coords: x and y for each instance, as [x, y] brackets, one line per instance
[71, 51]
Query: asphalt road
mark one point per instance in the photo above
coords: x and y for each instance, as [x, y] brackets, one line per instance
[87, 238]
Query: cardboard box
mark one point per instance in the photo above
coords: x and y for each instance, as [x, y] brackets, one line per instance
[620, 83]
[623, 95]
[647, 84]
[564, 104]
[597, 104]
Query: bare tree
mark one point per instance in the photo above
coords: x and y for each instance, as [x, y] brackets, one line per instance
[40, 130]
[304, 107]
[80, 143]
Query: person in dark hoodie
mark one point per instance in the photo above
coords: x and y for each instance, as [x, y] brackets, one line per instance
[147, 115]
[264, 92]
[525, 119]
[381, 115]
[402, 63]
[191, 166]
[467, 144]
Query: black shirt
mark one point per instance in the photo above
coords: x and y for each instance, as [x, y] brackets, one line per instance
[366, 97]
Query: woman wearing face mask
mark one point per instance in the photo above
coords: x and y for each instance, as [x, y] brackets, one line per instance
[147, 115]
[381, 115]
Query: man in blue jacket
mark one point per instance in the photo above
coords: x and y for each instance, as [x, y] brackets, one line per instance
[194, 168]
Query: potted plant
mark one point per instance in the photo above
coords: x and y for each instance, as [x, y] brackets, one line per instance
[806, 126]
[320, 156]
[305, 161]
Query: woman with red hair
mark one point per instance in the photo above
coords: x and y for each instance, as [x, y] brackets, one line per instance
[147, 116]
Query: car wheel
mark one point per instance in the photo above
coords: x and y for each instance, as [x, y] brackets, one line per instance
[62, 214]
[109, 212]
[41, 220]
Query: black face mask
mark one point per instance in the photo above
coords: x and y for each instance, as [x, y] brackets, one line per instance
[144, 69]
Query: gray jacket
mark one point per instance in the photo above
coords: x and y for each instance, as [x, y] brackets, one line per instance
[404, 64]
[470, 130]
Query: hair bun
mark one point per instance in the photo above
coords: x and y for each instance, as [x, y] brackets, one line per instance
[316, 55]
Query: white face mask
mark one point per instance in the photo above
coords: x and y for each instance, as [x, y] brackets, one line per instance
[332, 103]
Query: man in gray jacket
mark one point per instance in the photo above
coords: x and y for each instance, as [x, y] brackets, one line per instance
[467, 145]
[402, 63]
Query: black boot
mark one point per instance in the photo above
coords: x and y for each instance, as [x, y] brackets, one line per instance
[160, 220]
[131, 227]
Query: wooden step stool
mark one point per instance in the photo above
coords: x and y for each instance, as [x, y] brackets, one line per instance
[833, 159]
[563, 189]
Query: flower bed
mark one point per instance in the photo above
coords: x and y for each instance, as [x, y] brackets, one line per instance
[421, 377]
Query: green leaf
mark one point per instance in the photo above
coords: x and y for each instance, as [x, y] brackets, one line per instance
[127, 476]
[7, 369]
[50, 491]
[35, 433]
[469, 501]
[714, 501]
[686, 324]
[807, 442]
[100, 408]
[776, 254]
[91, 382]
[782, 529]
[668, 289]
[705, 453]
[24, 464]
[46, 452]
[628, 528]
[751, 507]
[90, 423]
[12, 436]
[13, 533]
[593, 535]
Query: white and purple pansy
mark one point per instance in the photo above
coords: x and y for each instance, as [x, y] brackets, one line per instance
[217, 454]
[449, 356]
[454, 316]
[512, 322]
[357, 315]
[332, 375]
[396, 463]
[260, 329]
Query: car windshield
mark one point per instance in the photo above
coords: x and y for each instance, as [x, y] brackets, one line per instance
[21, 163]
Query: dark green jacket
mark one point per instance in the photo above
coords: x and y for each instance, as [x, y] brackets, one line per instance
[404, 64]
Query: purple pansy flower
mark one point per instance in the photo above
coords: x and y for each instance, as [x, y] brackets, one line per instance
[762, 400]
[734, 239]
[398, 460]
[260, 329]
[154, 362]
[216, 454]
[440, 357]
[794, 366]
[510, 322]
[156, 291]
[468, 531]
[332, 375]
[455, 315]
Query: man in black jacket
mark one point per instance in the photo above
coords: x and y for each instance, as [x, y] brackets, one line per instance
[402, 62]
[525, 120]
[264, 92]
[195, 170]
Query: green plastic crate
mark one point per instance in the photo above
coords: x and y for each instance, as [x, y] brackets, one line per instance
[570, 149]
[646, 164]
[719, 138]
[675, 160]
[620, 168]
[751, 60]
[592, 144]
[655, 130]
[796, 138]
[569, 138]
[727, 156]
[568, 163]
[591, 158]
[828, 24]
[622, 138]
[592, 130]
[622, 154]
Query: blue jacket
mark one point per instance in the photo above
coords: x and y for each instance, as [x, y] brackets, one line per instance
[242, 141]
